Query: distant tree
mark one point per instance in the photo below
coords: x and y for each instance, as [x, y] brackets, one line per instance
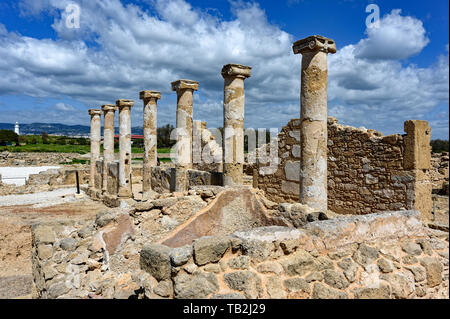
[138, 143]
[82, 141]
[8, 136]
[21, 140]
[33, 140]
[163, 136]
[44, 136]
[439, 146]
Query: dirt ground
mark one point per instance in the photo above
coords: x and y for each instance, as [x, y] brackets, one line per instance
[15, 239]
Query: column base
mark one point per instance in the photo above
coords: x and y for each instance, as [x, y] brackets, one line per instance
[124, 193]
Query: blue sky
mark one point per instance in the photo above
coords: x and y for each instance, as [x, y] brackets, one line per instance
[378, 79]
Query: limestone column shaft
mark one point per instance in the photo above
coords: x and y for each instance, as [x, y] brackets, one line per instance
[150, 99]
[313, 117]
[185, 99]
[95, 137]
[233, 122]
[125, 189]
[108, 140]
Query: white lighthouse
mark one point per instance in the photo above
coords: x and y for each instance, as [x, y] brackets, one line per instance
[16, 128]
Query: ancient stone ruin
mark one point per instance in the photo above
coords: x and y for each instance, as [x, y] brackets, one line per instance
[341, 213]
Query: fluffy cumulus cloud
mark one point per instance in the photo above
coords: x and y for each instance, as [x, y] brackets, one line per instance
[396, 37]
[122, 49]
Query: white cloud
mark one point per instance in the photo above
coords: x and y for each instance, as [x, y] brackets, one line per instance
[64, 107]
[397, 37]
[135, 50]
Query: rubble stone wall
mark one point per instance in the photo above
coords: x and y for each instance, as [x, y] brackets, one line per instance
[439, 172]
[367, 172]
[387, 255]
[36, 159]
[49, 180]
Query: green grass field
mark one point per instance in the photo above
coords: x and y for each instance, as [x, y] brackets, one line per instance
[56, 148]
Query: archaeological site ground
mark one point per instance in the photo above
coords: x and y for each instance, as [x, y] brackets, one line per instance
[319, 211]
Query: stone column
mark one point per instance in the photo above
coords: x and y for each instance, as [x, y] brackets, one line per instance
[313, 117]
[124, 106]
[233, 122]
[417, 162]
[150, 99]
[108, 140]
[185, 99]
[95, 137]
[197, 145]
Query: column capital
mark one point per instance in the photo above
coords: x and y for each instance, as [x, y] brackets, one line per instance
[236, 70]
[124, 103]
[93, 112]
[149, 95]
[108, 107]
[184, 84]
[314, 43]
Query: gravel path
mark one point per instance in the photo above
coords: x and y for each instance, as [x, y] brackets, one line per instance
[43, 199]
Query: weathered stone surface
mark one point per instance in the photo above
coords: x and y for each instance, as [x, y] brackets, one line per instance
[269, 267]
[197, 286]
[299, 263]
[418, 272]
[382, 292]
[104, 218]
[155, 259]
[385, 265]
[233, 295]
[210, 249]
[240, 262]
[402, 286]
[181, 255]
[45, 251]
[350, 268]
[321, 291]
[274, 288]
[335, 279]
[57, 289]
[433, 269]
[409, 260]
[323, 263]
[365, 254]
[43, 234]
[314, 276]
[412, 248]
[164, 288]
[86, 231]
[215, 268]
[68, 244]
[246, 281]
[297, 285]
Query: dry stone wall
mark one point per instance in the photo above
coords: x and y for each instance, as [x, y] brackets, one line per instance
[388, 255]
[49, 180]
[36, 159]
[439, 172]
[367, 172]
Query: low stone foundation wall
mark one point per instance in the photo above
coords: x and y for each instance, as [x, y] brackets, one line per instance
[49, 180]
[386, 255]
[439, 172]
[35, 159]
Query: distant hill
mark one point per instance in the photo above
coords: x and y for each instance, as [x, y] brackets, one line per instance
[57, 129]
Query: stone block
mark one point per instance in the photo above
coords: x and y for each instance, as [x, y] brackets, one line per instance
[210, 249]
[155, 259]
